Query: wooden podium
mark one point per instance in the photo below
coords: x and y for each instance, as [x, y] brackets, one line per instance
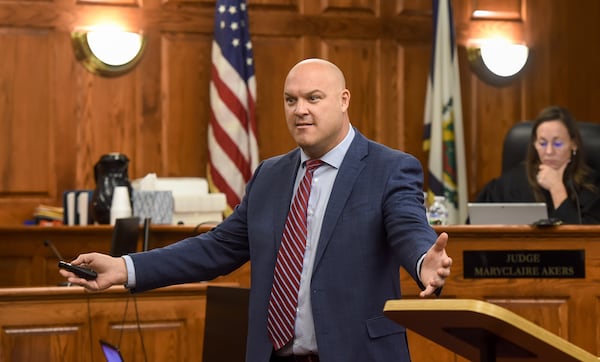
[482, 331]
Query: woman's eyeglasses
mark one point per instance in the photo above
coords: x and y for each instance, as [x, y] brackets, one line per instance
[543, 144]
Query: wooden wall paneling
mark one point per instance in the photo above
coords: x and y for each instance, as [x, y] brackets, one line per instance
[274, 3]
[9, 263]
[88, 103]
[16, 144]
[390, 121]
[564, 58]
[407, 21]
[597, 328]
[537, 85]
[134, 3]
[490, 9]
[488, 110]
[26, 138]
[570, 86]
[406, 80]
[364, 6]
[150, 155]
[28, 114]
[65, 323]
[110, 109]
[413, 85]
[493, 24]
[87, 151]
[104, 118]
[72, 155]
[273, 58]
[357, 58]
[582, 324]
[496, 112]
[407, 6]
[162, 337]
[43, 343]
[553, 314]
[467, 81]
[311, 7]
[59, 337]
[186, 76]
[424, 350]
[177, 3]
[157, 113]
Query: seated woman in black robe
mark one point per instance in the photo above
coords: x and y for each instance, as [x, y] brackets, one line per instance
[554, 172]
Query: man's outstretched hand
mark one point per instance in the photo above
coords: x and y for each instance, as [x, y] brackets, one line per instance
[436, 266]
[111, 271]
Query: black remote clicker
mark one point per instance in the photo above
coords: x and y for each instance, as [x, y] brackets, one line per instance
[87, 274]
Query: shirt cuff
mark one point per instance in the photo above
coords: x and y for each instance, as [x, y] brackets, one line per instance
[130, 272]
[419, 264]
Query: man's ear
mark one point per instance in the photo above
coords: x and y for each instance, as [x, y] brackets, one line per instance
[345, 99]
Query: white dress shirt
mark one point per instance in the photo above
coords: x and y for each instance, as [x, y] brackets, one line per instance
[305, 341]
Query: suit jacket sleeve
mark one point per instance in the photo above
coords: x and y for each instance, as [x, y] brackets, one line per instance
[199, 258]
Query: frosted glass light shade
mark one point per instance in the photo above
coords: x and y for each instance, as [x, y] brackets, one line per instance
[108, 52]
[497, 62]
[115, 47]
[504, 59]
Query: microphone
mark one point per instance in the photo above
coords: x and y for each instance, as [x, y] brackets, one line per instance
[147, 222]
[49, 244]
[577, 203]
[81, 272]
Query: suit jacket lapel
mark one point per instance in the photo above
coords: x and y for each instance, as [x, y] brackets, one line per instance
[283, 190]
[350, 169]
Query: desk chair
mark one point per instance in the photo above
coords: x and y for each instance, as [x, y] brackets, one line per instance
[514, 149]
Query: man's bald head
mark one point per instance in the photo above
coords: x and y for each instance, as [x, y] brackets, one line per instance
[316, 106]
[323, 67]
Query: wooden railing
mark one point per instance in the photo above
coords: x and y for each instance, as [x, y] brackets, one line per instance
[41, 321]
[567, 307]
[66, 323]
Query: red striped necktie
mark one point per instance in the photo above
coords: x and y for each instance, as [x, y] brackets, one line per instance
[288, 268]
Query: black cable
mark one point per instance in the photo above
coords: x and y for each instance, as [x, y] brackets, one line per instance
[123, 323]
[578, 208]
[146, 233]
[139, 328]
[89, 309]
[198, 226]
[577, 203]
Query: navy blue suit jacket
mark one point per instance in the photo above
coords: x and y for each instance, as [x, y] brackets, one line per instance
[374, 223]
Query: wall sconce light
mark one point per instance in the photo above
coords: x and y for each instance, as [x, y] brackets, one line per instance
[497, 62]
[108, 52]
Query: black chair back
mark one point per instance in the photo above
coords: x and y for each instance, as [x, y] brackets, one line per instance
[514, 149]
[226, 324]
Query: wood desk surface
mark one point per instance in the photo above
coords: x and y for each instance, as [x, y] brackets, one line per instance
[567, 307]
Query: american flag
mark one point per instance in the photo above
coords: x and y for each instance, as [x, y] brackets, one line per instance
[232, 146]
[443, 134]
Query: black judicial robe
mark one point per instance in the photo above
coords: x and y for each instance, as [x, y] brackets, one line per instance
[512, 186]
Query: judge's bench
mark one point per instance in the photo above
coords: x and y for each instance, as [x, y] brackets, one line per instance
[550, 276]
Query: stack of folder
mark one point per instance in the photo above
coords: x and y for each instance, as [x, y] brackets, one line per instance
[76, 204]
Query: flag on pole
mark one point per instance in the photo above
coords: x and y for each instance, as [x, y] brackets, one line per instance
[232, 146]
[443, 134]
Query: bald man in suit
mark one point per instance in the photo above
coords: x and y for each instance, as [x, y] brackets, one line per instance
[365, 220]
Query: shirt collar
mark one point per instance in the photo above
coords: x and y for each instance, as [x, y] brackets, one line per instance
[334, 157]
